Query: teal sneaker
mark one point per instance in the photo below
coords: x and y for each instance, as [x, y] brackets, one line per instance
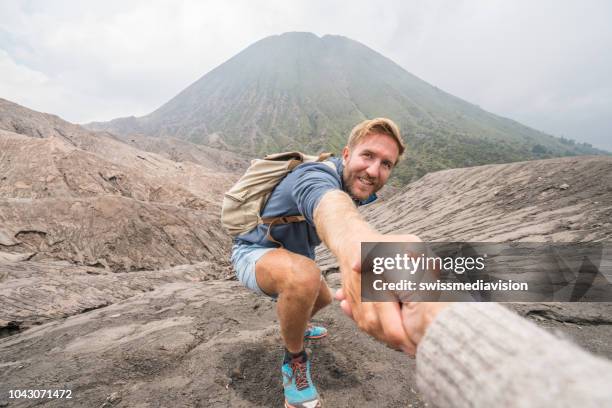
[314, 332]
[300, 392]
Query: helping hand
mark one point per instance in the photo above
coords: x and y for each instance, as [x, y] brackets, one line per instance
[382, 320]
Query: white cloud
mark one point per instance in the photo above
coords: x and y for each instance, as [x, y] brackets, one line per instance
[26, 86]
[19, 75]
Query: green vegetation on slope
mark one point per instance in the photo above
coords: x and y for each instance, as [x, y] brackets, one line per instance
[297, 91]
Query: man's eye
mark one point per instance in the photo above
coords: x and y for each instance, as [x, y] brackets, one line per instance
[368, 155]
[387, 165]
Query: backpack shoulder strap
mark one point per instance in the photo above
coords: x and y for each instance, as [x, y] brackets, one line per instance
[280, 220]
[299, 158]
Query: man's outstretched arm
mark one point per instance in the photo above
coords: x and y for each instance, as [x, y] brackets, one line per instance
[342, 228]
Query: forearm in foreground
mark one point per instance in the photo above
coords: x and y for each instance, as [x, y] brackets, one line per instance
[483, 355]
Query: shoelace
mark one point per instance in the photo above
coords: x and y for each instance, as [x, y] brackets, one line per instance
[298, 366]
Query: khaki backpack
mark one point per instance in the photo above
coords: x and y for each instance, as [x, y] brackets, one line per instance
[243, 203]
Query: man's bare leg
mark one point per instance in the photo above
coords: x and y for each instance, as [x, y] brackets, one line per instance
[297, 281]
[323, 299]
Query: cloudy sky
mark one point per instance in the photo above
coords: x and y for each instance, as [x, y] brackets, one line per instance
[544, 63]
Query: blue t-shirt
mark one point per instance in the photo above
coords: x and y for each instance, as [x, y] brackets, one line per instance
[298, 194]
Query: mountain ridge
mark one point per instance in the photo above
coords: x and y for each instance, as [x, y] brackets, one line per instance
[298, 91]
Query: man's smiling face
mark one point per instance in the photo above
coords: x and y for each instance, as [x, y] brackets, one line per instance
[368, 165]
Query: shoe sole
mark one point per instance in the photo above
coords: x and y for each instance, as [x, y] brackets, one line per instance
[315, 337]
[287, 405]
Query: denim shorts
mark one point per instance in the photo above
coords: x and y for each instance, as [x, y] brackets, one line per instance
[244, 257]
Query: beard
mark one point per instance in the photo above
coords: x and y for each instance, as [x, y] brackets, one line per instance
[360, 186]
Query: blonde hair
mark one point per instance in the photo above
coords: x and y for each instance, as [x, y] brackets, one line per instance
[377, 126]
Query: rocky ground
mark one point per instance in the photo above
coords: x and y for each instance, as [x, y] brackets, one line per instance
[170, 340]
[194, 344]
[115, 282]
[85, 197]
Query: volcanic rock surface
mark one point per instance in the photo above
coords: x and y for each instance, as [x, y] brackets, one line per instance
[115, 282]
[181, 151]
[71, 194]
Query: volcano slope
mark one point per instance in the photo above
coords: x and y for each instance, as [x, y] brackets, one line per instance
[154, 320]
[70, 194]
[76, 206]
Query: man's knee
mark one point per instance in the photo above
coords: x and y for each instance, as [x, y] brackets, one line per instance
[304, 278]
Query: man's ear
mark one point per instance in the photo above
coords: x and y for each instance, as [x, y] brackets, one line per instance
[345, 155]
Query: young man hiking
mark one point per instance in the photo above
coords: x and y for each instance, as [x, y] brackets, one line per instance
[326, 196]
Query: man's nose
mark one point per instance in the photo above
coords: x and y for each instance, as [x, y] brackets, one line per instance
[373, 169]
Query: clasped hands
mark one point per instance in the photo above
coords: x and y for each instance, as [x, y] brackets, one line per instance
[399, 325]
